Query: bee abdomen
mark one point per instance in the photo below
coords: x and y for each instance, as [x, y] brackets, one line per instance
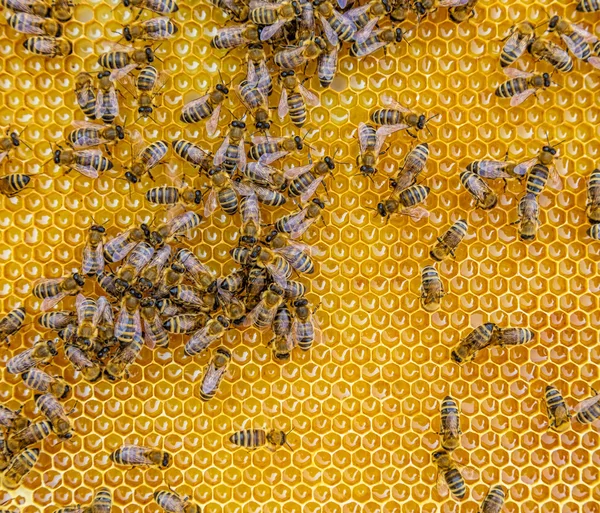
[249, 438]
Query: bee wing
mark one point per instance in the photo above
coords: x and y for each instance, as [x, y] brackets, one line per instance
[586, 36]
[452, 3]
[123, 251]
[278, 276]
[260, 139]
[295, 172]
[300, 228]
[262, 171]
[355, 13]
[309, 97]
[342, 3]
[102, 305]
[251, 76]
[381, 136]
[441, 485]
[87, 124]
[364, 131]
[137, 323]
[516, 73]
[594, 61]
[282, 108]
[242, 152]
[211, 203]
[416, 213]
[268, 158]
[122, 73]
[220, 155]
[522, 168]
[211, 378]
[521, 97]
[197, 154]
[79, 303]
[3, 155]
[363, 34]
[395, 104]
[88, 171]
[269, 31]
[390, 129]
[469, 473]
[89, 262]
[554, 180]
[586, 403]
[574, 48]
[211, 126]
[51, 302]
[311, 189]
[330, 34]
[118, 47]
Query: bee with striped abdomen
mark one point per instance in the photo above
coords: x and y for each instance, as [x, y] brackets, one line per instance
[156, 6]
[517, 41]
[118, 365]
[463, 12]
[263, 314]
[48, 46]
[136, 261]
[148, 85]
[206, 107]
[494, 500]
[138, 455]
[414, 165]
[558, 412]
[480, 338]
[169, 195]
[39, 8]
[13, 184]
[449, 476]
[305, 327]
[449, 241]
[214, 330]
[521, 85]
[193, 297]
[26, 23]
[149, 276]
[545, 50]
[398, 117]
[223, 193]
[294, 253]
[160, 28]
[575, 37]
[258, 72]
[541, 170]
[273, 16]
[305, 180]
[377, 40]
[129, 324]
[255, 100]
[31, 435]
[38, 380]
[370, 140]
[11, 323]
[336, 26]
[107, 103]
[282, 343]
[367, 17]
[178, 225]
[11, 141]
[450, 424]
[592, 207]
[528, 220]
[88, 135]
[253, 439]
[200, 274]
[432, 289]
[53, 291]
[186, 322]
[327, 65]
[237, 9]
[147, 157]
[42, 352]
[251, 223]
[102, 502]
[126, 58]
[57, 320]
[231, 155]
[54, 412]
[92, 259]
[214, 374]
[19, 467]
[12, 419]
[89, 163]
[117, 248]
[90, 369]
[174, 503]
[308, 50]
[588, 410]
[405, 202]
[295, 98]
[193, 154]
[485, 197]
[296, 224]
[269, 149]
[154, 333]
[493, 169]
[228, 38]
[588, 6]
[512, 336]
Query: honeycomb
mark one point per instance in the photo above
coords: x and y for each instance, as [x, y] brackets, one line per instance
[364, 403]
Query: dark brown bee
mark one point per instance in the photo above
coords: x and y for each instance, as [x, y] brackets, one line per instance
[494, 500]
[283, 342]
[13, 184]
[432, 289]
[398, 117]
[88, 135]
[26, 23]
[19, 467]
[206, 107]
[39, 381]
[118, 365]
[305, 328]
[174, 503]
[517, 41]
[138, 455]
[558, 412]
[521, 85]
[193, 154]
[11, 323]
[295, 98]
[157, 6]
[588, 410]
[186, 323]
[147, 157]
[474, 184]
[54, 412]
[449, 241]
[253, 439]
[31, 435]
[512, 336]
[126, 58]
[309, 49]
[153, 29]
[479, 338]
[450, 424]
[48, 46]
[377, 40]
[117, 248]
[528, 220]
[593, 197]
[231, 155]
[42, 352]
[39, 8]
[449, 474]
[102, 502]
[546, 50]
[405, 202]
[214, 374]
[154, 333]
[233, 37]
[214, 330]
[92, 260]
[90, 369]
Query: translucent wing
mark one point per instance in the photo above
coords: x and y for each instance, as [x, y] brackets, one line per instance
[269, 31]
[88, 171]
[118, 47]
[363, 34]
[121, 73]
[587, 36]
[357, 12]
[211, 203]
[261, 171]
[342, 3]
[194, 104]
[87, 124]
[364, 133]
[311, 189]
[452, 3]
[102, 305]
[594, 61]
[395, 104]
[330, 34]
[278, 276]
[512, 42]
[46, 46]
[251, 76]
[282, 108]
[381, 136]
[576, 49]
[522, 168]
[390, 129]
[220, 155]
[3, 155]
[51, 302]
[295, 172]
[269, 158]
[299, 230]
[213, 122]
[516, 73]
[521, 97]
[261, 139]
[586, 403]
[242, 161]
[554, 180]
[309, 97]
[416, 213]
[92, 260]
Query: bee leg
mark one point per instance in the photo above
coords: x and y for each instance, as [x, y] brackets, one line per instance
[411, 134]
[505, 184]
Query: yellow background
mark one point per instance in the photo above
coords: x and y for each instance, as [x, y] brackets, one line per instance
[365, 402]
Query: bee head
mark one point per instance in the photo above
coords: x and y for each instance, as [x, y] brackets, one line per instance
[14, 139]
[149, 54]
[318, 202]
[298, 141]
[547, 81]
[553, 22]
[127, 34]
[300, 302]
[66, 392]
[398, 33]
[329, 163]
[367, 170]
[381, 210]
[197, 197]
[420, 8]
[271, 236]
[57, 154]
[127, 3]
[145, 111]
[103, 74]
[223, 321]
[222, 89]
[120, 132]
[388, 7]
[130, 177]
[78, 279]
[97, 228]
[421, 122]
[247, 239]
[262, 125]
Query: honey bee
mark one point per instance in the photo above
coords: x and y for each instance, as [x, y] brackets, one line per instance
[174, 503]
[26, 23]
[62, 10]
[558, 413]
[305, 180]
[258, 71]
[449, 241]
[263, 314]
[253, 439]
[327, 64]
[93, 259]
[282, 343]
[126, 58]
[107, 104]
[28, 436]
[11, 323]
[57, 320]
[89, 163]
[155, 334]
[193, 297]
[39, 8]
[12, 419]
[265, 195]
[13, 184]
[424, 7]
[269, 149]
[592, 208]
[521, 85]
[201, 274]
[136, 261]
[494, 500]
[295, 253]
[233, 8]
[102, 502]
[588, 410]
[129, 324]
[41, 352]
[541, 170]
[138, 455]
[371, 141]
[90, 370]
[48, 46]
[19, 467]
[367, 17]
[179, 225]
[305, 327]
[485, 197]
[295, 98]
[493, 169]
[119, 364]
[208, 106]
[148, 86]
[169, 195]
[405, 202]
[157, 6]
[273, 16]
[450, 424]
[10, 142]
[449, 474]
[398, 117]
[512, 336]
[160, 28]
[55, 290]
[588, 6]
[214, 374]
[185, 323]
[39, 381]
[378, 39]
[414, 165]
[550, 52]
[231, 154]
[193, 154]
[297, 56]
[54, 412]
[336, 26]
[517, 41]
[432, 289]
[478, 339]
[88, 135]
[297, 224]
[214, 330]
[528, 219]
[228, 38]
[293, 289]
[168, 308]
[462, 12]
[255, 100]
[117, 248]
[250, 213]
[147, 157]
[151, 272]
[224, 193]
